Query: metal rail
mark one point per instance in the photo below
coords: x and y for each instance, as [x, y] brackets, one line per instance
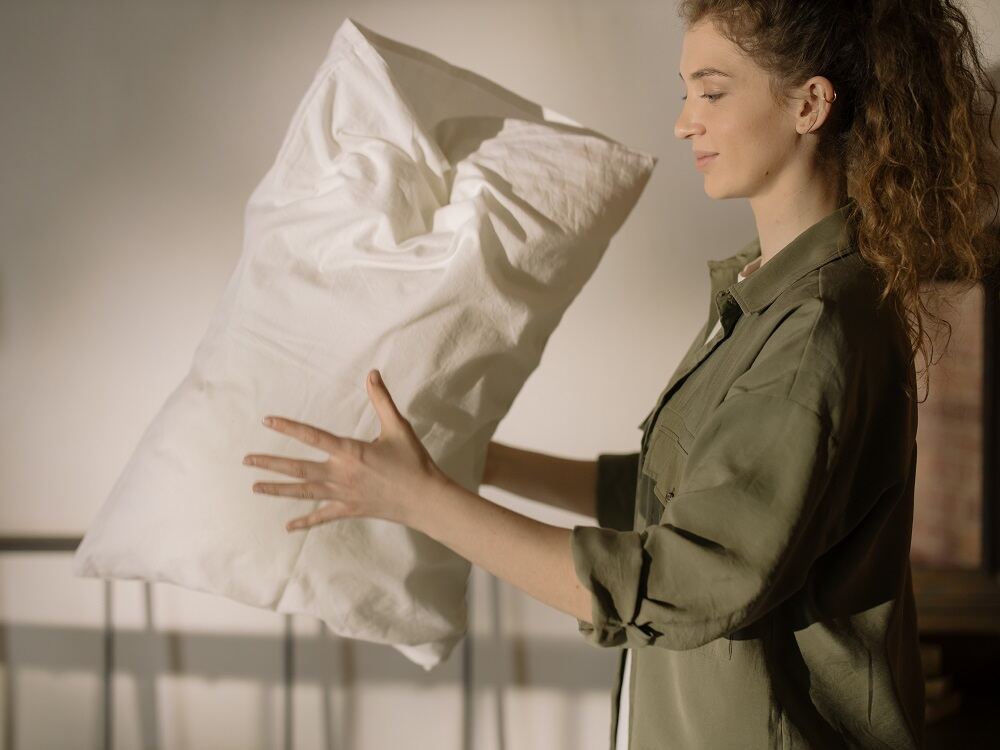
[25, 544]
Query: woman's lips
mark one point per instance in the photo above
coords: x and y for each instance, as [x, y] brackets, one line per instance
[701, 161]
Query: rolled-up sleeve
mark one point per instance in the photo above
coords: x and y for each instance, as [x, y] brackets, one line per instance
[750, 514]
[616, 484]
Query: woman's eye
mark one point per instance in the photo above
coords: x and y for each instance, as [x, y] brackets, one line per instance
[710, 97]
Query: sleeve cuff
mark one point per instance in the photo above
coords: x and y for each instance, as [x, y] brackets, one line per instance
[610, 564]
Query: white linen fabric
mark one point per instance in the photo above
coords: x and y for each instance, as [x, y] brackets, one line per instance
[419, 219]
[622, 732]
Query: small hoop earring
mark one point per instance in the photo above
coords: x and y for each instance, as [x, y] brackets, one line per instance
[828, 101]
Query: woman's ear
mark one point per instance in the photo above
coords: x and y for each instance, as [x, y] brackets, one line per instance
[815, 101]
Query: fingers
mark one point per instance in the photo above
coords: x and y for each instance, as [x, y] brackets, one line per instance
[299, 490]
[331, 511]
[322, 515]
[293, 467]
[306, 433]
[379, 394]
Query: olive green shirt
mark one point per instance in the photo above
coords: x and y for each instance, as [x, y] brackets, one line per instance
[754, 553]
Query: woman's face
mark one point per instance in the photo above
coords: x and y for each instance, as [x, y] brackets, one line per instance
[729, 110]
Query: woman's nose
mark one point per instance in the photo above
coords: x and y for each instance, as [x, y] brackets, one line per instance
[684, 127]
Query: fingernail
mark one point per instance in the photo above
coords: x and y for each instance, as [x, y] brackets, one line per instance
[373, 377]
[268, 421]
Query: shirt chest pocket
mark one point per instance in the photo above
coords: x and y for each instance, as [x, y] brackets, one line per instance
[666, 454]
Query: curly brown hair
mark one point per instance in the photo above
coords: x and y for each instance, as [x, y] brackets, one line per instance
[908, 140]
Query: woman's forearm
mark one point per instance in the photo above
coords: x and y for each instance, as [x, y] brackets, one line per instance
[535, 557]
[565, 483]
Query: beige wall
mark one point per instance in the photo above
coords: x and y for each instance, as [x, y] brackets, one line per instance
[132, 134]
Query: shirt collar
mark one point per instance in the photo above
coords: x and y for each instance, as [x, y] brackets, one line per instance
[826, 240]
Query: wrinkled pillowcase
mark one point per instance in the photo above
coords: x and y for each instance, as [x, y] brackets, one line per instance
[419, 219]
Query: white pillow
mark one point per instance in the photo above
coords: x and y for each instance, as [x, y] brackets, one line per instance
[419, 219]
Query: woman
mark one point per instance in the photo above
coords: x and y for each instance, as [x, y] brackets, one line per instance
[752, 558]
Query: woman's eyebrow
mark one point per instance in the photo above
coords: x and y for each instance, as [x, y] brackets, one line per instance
[705, 73]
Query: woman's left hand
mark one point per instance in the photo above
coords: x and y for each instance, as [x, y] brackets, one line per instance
[382, 478]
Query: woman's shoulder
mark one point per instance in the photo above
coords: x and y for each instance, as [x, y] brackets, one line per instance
[838, 304]
[829, 334]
